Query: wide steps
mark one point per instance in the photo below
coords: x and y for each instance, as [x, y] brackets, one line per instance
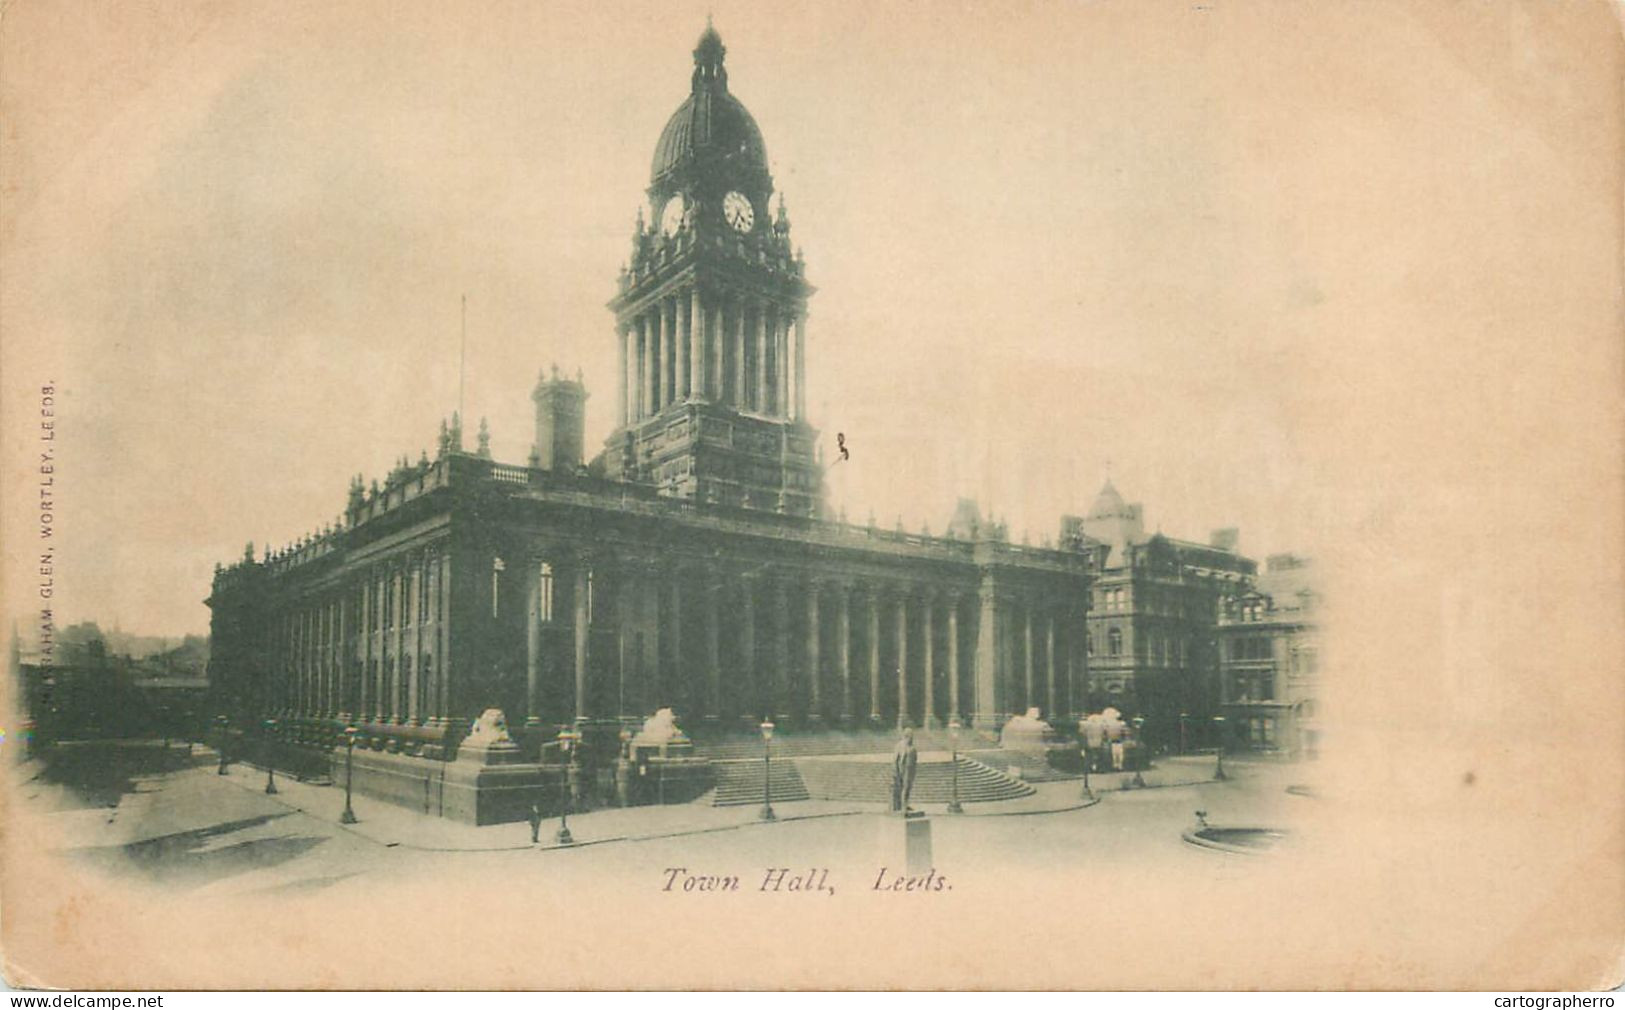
[871, 782]
[1031, 766]
[740, 782]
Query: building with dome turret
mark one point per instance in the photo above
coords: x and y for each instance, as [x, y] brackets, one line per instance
[1152, 647]
[690, 565]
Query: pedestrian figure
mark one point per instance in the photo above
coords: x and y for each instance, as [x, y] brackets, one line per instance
[535, 823]
[1117, 755]
[905, 760]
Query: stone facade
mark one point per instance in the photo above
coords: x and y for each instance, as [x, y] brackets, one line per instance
[1152, 620]
[691, 566]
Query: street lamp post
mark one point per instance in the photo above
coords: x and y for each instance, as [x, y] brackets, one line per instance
[767, 771]
[1183, 718]
[953, 739]
[348, 817]
[1218, 765]
[270, 759]
[568, 738]
[1140, 751]
[1083, 749]
[221, 722]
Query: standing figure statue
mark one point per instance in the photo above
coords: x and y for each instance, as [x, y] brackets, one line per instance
[905, 759]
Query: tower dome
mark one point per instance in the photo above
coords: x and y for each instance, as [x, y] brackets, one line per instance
[711, 123]
[1108, 503]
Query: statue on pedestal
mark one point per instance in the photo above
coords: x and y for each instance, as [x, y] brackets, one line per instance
[905, 761]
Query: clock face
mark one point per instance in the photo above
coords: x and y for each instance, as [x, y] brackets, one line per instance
[672, 217]
[737, 211]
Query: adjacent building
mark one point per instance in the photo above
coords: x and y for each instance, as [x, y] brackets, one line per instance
[1270, 660]
[1151, 645]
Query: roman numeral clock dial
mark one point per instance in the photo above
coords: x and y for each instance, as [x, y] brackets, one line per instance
[736, 210]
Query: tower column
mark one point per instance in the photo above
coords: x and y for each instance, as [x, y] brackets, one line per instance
[685, 344]
[621, 385]
[759, 397]
[698, 346]
[740, 398]
[781, 365]
[648, 346]
[801, 367]
[668, 351]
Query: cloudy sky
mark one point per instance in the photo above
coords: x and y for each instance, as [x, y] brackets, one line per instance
[1279, 269]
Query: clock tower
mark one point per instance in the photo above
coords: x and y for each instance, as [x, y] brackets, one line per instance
[711, 318]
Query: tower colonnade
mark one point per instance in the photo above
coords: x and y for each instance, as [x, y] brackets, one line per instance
[693, 344]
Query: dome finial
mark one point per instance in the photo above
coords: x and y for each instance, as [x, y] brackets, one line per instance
[708, 56]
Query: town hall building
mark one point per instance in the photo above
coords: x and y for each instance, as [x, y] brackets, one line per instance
[692, 564]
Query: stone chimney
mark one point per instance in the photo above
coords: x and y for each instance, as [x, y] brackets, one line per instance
[560, 421]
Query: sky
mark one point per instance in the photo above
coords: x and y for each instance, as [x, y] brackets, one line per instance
[1246, 259]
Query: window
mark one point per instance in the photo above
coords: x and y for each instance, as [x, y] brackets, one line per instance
[544, 592]
[1114, 642]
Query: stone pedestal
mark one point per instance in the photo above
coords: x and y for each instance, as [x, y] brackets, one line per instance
[905, 843]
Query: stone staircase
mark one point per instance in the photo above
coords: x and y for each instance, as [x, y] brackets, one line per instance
[740, 782]
[1029, 766]
[871, 781]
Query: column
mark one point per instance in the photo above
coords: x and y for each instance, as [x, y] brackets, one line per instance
[397, 611]
[987, 659]
[443, 620]
[781, 650]
[713, 652]
[747, 650]
[698, 348]
[1027, 654]
[741, 398]
[902, 658]
[685, 346]
[953, 656]
[1049, 662]
[781, 365]
[759, 399]
[815, 706]
[929, 708]
[582, 575]
[646, 364]
[620, 343]
[873, 596]
[670, 352]
[414, 608]
[843, 635]
[801, 367]
[676, 682]
[364, 648]
[533, 645]
[715, 343]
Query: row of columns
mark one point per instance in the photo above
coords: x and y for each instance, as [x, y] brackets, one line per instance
[748, 352]
[371, 652]
[748, 647]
